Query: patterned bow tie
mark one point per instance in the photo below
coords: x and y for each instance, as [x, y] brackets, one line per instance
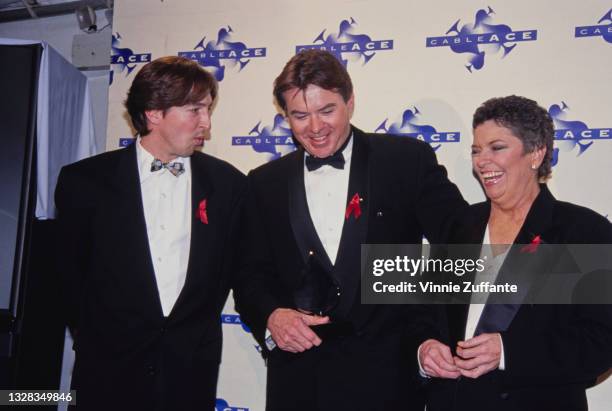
[336, 161]
[175, 168]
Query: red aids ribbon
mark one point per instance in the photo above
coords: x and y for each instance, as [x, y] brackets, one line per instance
[353, 207]
[533, 246]
[202, 212]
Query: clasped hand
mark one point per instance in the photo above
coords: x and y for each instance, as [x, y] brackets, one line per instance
[291, 330]
[475, 357]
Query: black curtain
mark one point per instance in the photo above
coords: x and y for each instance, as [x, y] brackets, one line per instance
[31, 326]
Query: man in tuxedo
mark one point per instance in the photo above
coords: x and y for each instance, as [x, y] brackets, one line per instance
[307, 215]
[146, 234]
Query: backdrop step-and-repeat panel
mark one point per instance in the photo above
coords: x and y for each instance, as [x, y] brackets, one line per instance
[419, 68]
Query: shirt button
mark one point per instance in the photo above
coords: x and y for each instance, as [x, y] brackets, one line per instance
[159, 259]
[163, 227]
[163, 195]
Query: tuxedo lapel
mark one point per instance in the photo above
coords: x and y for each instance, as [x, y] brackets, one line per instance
[205, 213]
[130, 218]
[355, 227]
[457, 320]
[303, 228]
[470, 230]
[539, 218]
[520, 265]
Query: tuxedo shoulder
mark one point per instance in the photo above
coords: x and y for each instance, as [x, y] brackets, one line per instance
[275, 168]
[571, 210]
[392, 145]
[471, 215]
[475, 210]
[394, 141]
[217, 167]
[97, 163]
[82, 182]
[582, 223]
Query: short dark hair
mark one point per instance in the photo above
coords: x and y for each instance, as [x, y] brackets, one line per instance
[167, 82]
[316, 67]
[526, 120]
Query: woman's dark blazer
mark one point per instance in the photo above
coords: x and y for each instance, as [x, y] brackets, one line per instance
[552, 352]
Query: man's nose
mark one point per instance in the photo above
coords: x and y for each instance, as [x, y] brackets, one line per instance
[205, 119]
[315, 124]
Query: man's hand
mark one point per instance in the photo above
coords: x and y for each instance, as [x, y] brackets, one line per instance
[436, 360]
[479, 355]
[291, 331]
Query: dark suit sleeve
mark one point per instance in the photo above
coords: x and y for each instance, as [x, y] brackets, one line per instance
[438, 200]
[234, 246]
[567, 344]
[576, 350]
[74, 238]
[437, 205]
[256, 282]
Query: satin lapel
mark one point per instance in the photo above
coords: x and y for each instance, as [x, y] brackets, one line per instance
[469, 231]
[521, 263]
[355, 228]
[303, 228]
[539, 218]
[202, 248]
[131, 219]
[525, 264]
[457, 319]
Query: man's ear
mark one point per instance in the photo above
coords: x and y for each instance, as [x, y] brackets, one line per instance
[351, 105]
[154, 116]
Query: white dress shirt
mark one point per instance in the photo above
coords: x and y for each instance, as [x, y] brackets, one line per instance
[475, 310]
[488, 274]
[166, 201]
[326, 195]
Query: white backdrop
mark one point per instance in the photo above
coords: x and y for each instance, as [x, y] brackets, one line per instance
[541, 50]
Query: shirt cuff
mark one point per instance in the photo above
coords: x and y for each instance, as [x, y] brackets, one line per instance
[502, 358]
[270, 344]
[422, 372]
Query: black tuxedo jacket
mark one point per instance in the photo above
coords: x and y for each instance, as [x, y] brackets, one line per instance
[128, 355]
[405, 195]
[552, 352]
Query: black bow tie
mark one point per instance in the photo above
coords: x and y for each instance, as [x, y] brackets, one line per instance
[336, 161]
[175, 168]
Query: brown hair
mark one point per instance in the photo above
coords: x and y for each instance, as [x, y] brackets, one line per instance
[316, 67]
[167, 82]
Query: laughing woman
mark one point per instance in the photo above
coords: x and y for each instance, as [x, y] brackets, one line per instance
[533, 357]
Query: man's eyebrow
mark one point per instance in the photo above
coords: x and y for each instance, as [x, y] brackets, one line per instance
[327, 106]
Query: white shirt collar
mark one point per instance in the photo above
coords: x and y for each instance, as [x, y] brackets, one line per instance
[144, 160]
